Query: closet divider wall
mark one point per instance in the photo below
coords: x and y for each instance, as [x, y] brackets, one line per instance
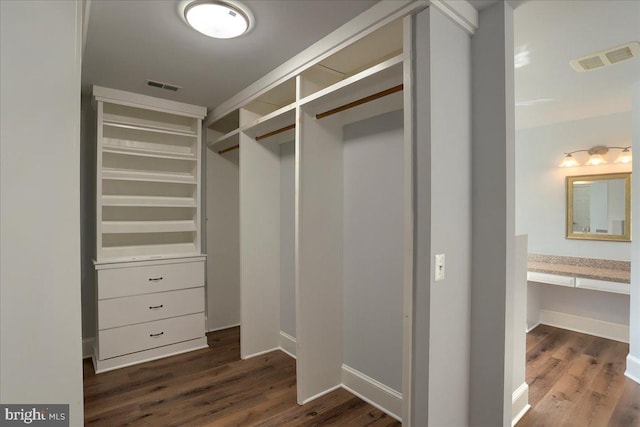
[360, 83]
[149, 266]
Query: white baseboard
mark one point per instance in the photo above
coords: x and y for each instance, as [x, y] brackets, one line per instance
[586, 325]
[373, 392]
[531, 328]
[101, 366]
[322, 393]
[519, 403]
[222, 328]
[260, 353]
[288, 344]
[633, 368]
[87, 347]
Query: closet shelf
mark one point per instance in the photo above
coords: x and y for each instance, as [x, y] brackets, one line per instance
[119, 227]
[142, 152]
[144, 201]
[131, 124]
[380, 77]
[139, 252]
[225, 141]
[134, 175]
[279, 119]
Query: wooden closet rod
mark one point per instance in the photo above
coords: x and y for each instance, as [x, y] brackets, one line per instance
[275, 132]
[360, 101]
[235, 147]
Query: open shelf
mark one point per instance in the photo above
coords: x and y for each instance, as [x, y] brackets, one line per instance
[278, 119]
[119, 227]
[144, 201]
[379, 78]
[146, 153]
[148, 120]
[114, 188]
[277, 98]
[225, 141]
[365, 53]
[134, 175]
[262, 115]
[148, 251]
[227, 124]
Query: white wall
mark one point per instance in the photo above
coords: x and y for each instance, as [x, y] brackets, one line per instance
[449, 338]
[633, 360]
[223, 240]
[605, 306]
[373, 241]
[40, 339]
[540, 183]
[533, 304]
[441, 340]
[287, 239]
[493, 175]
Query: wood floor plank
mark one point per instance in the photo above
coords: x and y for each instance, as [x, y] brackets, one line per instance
[627, 411]
[577, 380]
[214, 387]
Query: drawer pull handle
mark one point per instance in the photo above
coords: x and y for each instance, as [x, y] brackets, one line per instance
[155, 279]
[156, 306]
[156, 335]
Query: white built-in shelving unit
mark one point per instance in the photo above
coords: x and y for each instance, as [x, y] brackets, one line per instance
[147, 228]
[148, 179]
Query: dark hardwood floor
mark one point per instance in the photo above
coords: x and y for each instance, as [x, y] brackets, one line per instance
[214, 387]
[577, 380]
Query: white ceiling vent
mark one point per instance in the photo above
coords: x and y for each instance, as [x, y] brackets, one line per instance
[606, 57]
[161, 85]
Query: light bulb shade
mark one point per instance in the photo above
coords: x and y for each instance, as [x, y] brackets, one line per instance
[218, 19]
[624, 156]
[596, 159]
[569, 161]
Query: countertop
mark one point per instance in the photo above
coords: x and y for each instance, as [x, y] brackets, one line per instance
[588, 268]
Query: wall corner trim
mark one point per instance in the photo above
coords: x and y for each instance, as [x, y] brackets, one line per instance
[288, 344]
[87, 347]
[461, 12]
[633, 368]
[373, 392]
[520, 403]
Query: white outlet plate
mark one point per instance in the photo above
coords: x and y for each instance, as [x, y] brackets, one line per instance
[439, 268]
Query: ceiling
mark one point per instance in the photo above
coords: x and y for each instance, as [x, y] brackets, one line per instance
[548, 90]
[131, 41]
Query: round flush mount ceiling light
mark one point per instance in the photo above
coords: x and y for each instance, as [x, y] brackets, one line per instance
[218, 19]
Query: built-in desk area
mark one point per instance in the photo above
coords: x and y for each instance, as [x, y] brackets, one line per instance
[581, 294]
[586, 273]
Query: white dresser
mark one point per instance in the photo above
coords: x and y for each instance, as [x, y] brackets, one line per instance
[149, 267]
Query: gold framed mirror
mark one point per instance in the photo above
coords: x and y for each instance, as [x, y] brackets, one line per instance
[599, 207]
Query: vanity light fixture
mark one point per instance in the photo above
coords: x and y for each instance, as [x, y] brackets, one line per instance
[624, 156]
[596, 156]
[223, 19]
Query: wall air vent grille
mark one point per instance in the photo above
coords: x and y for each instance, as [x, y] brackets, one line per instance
[161, 85]
[606, 57]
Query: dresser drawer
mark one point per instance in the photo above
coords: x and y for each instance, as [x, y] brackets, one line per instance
[143, 336]
[116, 312]
[121, 282]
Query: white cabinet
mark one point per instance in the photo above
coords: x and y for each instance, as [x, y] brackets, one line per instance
[149, 266]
